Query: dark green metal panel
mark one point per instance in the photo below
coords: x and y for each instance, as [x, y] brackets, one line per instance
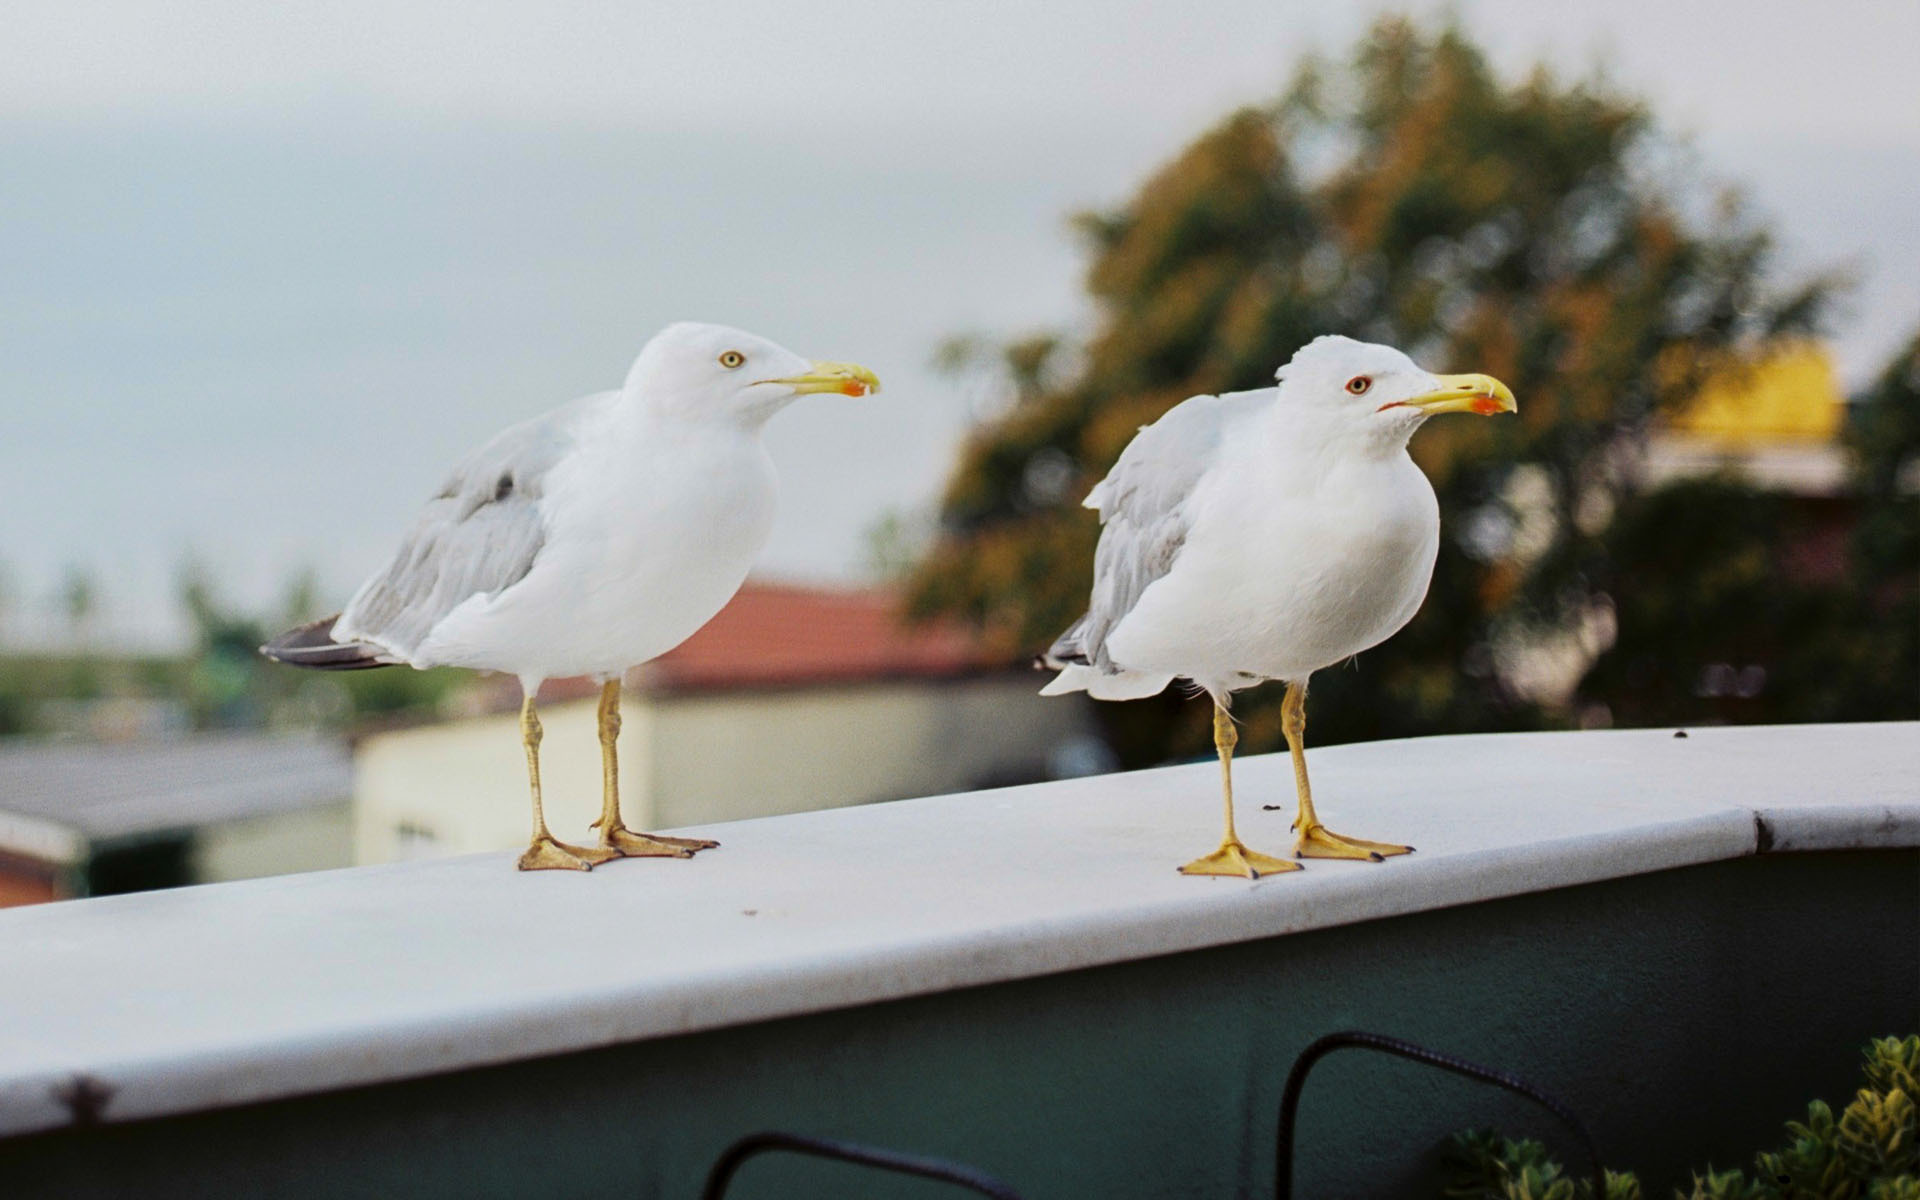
[1685, 1014]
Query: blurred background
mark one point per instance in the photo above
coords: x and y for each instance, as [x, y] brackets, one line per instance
[267, 271]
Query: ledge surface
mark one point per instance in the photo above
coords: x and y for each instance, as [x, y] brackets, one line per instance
[137, 1006]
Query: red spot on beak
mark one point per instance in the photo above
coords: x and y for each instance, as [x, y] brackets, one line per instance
[1487, 406]
[853, 387]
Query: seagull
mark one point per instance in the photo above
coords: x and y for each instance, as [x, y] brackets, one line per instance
[587, 541]
[1263, 535]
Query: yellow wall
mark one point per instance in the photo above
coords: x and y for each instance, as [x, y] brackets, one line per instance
[1793, 395]
[697, 759]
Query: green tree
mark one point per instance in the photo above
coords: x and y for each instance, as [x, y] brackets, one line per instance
[1729, 607]
[225, 687]
[1528, 230]
[9, 596]
[1885, 438]
[79, 603]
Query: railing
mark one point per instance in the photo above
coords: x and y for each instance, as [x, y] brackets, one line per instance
[1016, 941]
[977, 1181]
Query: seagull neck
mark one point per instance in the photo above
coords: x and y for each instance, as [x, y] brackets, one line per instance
[647, 411]
[1307, 435]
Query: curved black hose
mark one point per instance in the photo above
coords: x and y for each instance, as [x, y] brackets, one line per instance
[731, 1159]
[1357, 1040]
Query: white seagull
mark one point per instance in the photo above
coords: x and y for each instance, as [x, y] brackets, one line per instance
[587, 541]
[1264, 535]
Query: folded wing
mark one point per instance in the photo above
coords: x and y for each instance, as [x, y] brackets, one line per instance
[1143, 510]
[479, 535]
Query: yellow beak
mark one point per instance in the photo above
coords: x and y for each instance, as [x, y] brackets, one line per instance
[849, 379]
[1481, 394]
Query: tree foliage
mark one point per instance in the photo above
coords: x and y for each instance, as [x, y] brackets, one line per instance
[1738, 605]
[228, 683]
[1531, 230]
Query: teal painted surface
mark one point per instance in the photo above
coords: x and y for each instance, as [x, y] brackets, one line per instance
[1684, 1014]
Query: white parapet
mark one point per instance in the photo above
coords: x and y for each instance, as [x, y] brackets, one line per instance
[168, 1002]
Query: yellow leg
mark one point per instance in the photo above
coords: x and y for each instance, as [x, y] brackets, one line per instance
[548, 853]
[614, 834]
[1316, 840]
[1232, 858]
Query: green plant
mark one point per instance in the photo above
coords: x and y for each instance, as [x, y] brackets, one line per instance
[1871, 1151]
[1484, 1164]
[1893, 1064]
[1723, 1185]
[1810, 1164]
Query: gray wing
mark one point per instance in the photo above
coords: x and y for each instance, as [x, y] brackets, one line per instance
[479, 535]
[1142, 506]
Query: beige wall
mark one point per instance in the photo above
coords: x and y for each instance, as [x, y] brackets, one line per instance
[464, 782]
[310, 839]
[692, 760]
[732, 756]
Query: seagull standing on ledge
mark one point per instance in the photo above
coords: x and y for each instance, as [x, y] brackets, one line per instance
[1264, 535]
[587, 541]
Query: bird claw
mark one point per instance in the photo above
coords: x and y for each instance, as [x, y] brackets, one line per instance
[1320, 842]
[1234, 859]
[694, 844]
[625, 843]
[551, 854]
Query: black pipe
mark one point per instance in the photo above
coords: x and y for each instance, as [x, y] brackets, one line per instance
[1357, 1040]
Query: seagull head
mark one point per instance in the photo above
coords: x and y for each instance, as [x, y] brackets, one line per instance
[1377, 394]
[719, 371]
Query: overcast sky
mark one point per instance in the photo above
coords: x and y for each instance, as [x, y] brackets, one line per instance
[267, 270]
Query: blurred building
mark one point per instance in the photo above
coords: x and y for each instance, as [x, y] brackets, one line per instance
[81, 819]
[1778, 427]
[790, 699]
[1775, 424]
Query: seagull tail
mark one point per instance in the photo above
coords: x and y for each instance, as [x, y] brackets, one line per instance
[1077, 673]
[1104, 685]
[312, 646]
[1070, 678]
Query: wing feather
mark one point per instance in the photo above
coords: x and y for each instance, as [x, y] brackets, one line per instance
[1143, 512]
[479, 535]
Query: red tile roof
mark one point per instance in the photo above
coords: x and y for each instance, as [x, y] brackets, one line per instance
[779, 635]
[773, 635]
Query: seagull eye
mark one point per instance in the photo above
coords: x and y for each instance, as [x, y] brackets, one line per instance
[732, 359]
[1359, 384]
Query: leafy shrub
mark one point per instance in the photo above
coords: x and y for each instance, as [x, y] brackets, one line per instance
[1871, 1151]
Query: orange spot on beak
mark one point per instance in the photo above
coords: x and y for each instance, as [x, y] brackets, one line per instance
[1487, 406]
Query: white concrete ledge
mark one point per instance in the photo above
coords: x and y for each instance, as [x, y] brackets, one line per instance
[167, 1002]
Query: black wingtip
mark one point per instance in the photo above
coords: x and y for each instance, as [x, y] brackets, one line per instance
[1067, 650]
[312, 646]
[1056, 662]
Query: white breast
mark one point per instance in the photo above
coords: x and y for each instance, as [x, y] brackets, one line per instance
[650, 531]
[1277, 580]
